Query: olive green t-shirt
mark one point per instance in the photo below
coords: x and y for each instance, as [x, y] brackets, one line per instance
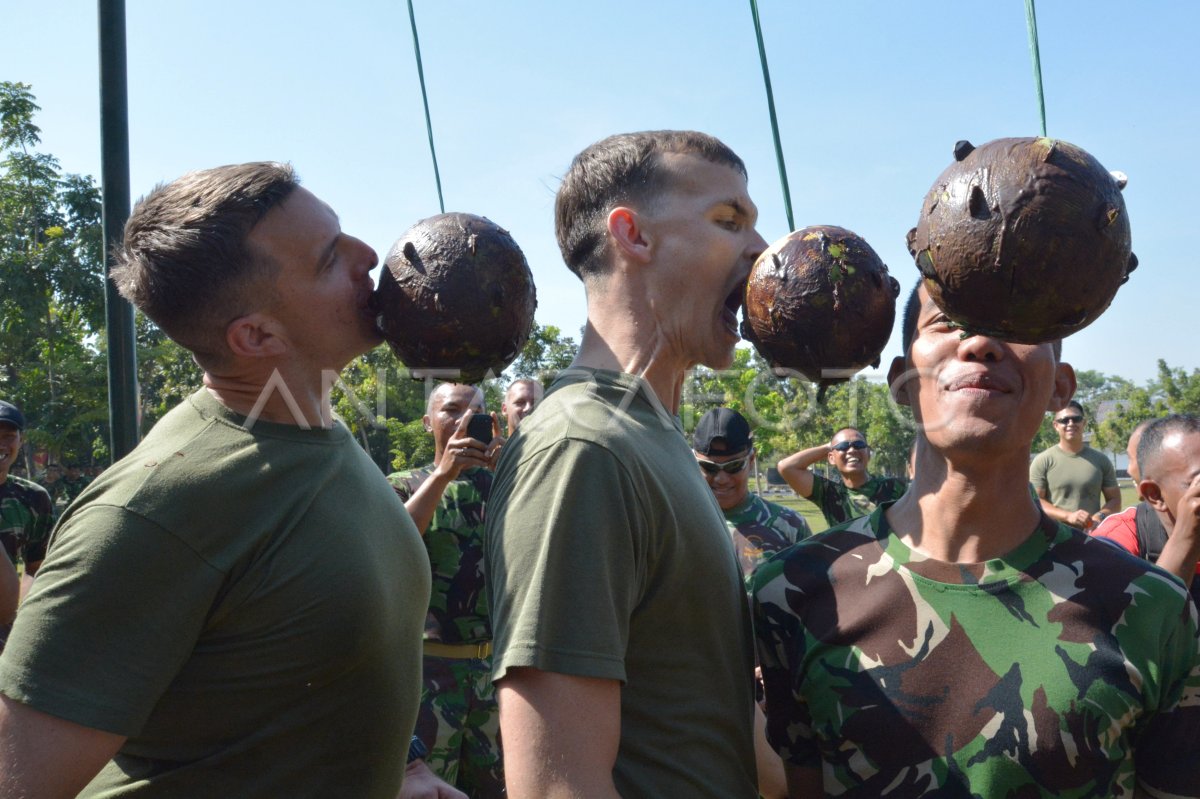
[1073, 481]
[244, 603]
[607, 557]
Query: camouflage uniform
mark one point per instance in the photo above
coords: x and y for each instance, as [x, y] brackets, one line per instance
[26, 514]
[73, 488]
[760, 528]
[840, 503]
[1043, 673]
[458, 719]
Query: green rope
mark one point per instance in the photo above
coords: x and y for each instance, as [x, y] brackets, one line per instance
[1031, 22]
[425, 99]
[762, 55]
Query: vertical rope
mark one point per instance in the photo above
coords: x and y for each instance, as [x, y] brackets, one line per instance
[425, 99]
[762, 55]
[1031, 23]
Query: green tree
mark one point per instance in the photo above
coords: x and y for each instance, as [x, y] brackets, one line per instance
[546, 353]
[51, 286]
[1180, 391]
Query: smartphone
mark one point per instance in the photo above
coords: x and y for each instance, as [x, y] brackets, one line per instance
[480, 428]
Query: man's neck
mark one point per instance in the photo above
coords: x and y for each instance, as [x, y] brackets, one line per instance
[1073, 447]
[615, 343]
[966, 512]
[275, 396]
[855, 479]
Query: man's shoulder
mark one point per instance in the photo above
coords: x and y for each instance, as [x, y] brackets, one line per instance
[410, 479]
[1096, 457]
[25, 491]
[815, 555]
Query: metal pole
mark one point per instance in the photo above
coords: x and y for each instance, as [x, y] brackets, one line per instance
[114, 170]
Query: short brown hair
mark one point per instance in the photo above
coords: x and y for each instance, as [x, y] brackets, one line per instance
[626, 168]
[184, 261]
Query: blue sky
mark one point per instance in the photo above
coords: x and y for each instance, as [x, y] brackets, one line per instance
[871, 98]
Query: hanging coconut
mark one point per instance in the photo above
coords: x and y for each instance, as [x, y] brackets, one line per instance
[456, 293]
[820, 302]
[1023, 239]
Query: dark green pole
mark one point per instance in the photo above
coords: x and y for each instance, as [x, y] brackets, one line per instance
[114, 172]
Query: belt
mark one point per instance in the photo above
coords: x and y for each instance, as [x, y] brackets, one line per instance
[458, 651]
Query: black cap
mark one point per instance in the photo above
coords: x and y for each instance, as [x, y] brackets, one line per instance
[11, 414]
[722, 431]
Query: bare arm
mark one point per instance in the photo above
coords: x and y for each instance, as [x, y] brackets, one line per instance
[1112, 501]
[1076, 518]
[461, 452]
[794, 468]
[1182, 550]
[421, 783]
[804, 783]
[45, 757]
[561, 734]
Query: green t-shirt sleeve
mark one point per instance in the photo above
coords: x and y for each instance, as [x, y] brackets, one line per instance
[1037, 473]
[565, 561]
[1109, 474]
[113, 614]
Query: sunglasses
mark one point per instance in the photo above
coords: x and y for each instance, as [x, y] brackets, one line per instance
[1066, 420]
[729, 467]
[846, 446]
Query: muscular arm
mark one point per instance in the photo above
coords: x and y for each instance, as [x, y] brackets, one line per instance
[45, 757]
[794, 468]
[1112, 500]
[560, 732]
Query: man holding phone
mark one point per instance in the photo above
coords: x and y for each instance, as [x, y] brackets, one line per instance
[857, 494]
[458, 721]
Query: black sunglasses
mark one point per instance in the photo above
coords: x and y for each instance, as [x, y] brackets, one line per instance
[1065, 420]
[846, 446]
[729, 467]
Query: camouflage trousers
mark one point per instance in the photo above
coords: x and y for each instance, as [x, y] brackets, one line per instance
[460, 723]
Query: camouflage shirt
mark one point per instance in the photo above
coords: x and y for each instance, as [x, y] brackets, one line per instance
[840, 503]
[760, 528]
[458, 610]
[1036, 674]
[71, 489]
[26, 515]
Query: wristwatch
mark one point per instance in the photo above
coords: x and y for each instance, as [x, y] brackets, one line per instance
[416, 750]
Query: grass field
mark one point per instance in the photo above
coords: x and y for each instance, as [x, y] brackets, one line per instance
[817, 522]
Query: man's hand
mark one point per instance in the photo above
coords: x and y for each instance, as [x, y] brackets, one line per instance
[1187, 515]
[462, 451]
[1182, 550]
[421, 783]
[1080, 518]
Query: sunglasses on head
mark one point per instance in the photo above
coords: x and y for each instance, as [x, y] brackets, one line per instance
[846, 446]
[729, 467]
[1065, 420]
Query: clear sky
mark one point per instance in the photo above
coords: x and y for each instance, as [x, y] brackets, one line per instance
[871, 97]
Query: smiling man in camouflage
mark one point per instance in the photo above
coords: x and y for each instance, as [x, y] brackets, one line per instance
[958, 642]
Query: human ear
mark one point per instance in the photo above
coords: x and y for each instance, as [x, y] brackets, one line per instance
[628, 236]
[1064, 387]
[1152, 494]
[898, 380]
[255, 335]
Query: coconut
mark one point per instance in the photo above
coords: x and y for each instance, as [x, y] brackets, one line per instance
[1023, 239]
[820, 302]
[456, 298]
